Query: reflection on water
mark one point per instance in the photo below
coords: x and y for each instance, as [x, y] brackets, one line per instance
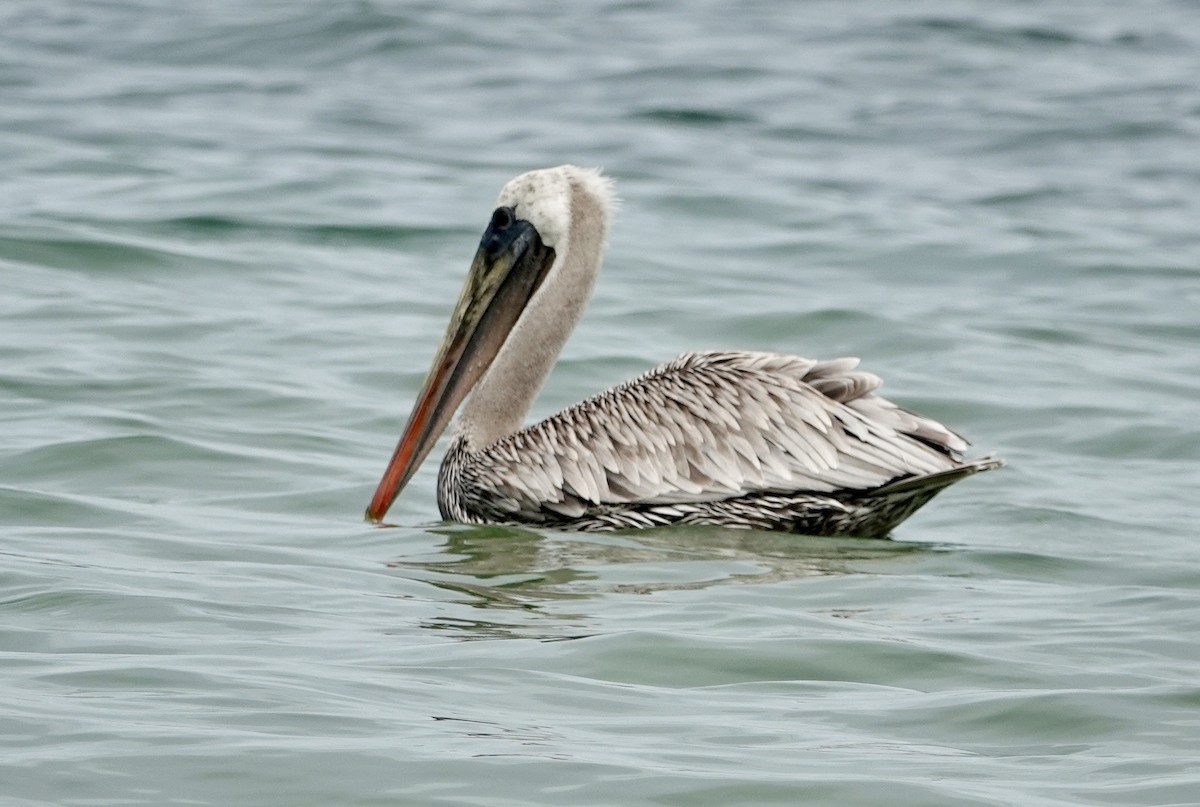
[541, 579]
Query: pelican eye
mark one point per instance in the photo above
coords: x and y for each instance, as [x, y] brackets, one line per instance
[503, 218]
[501, 231]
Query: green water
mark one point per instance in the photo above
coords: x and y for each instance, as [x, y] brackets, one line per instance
[230, 236]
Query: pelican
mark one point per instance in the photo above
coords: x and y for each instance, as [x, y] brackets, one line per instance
[738, 439]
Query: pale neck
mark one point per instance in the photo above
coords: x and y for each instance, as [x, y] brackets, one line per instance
[504, 395]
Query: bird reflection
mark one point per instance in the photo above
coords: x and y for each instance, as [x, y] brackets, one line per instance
[535, 584]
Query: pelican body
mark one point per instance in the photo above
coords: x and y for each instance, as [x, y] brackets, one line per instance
[737, 439]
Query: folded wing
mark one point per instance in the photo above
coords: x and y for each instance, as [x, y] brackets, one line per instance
[710, 426]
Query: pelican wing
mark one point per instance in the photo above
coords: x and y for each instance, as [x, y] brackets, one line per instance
[708, 426]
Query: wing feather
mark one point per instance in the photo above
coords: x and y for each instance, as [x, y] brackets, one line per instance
[708, 426]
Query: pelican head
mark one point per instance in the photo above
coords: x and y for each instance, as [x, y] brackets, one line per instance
[521, 247]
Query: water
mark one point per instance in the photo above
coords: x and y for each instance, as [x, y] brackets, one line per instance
[230, 235]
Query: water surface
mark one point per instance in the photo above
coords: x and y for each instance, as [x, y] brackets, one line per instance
[230, 237]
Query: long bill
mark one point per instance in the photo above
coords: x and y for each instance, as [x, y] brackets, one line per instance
[508, 268]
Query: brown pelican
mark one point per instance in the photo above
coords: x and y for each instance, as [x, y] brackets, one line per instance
[758, 440]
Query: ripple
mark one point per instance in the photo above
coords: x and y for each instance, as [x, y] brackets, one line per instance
[692, 116]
